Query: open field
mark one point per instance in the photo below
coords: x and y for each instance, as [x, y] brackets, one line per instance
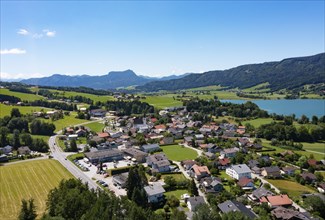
[45, 138]
[179, 153]
[263, 87]
[162, 101]
[293, 189]
[22, 96]
[6, 109]
[101, 98]
[95, 126]
[25, 180]
[206, 88]
[258, 122]
[318, 147]
[317, 156]
[70, 120]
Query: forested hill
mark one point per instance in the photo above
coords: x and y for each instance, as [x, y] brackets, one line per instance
[288, 73]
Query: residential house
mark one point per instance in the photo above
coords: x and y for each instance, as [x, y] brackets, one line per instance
[150, 148]
[200, 171]
[259, 193]
[277, 200]
[155, 193]
[167, 140]
[253, 163]
[104, 135]
[6, 150]
[187, 164]
[194, 202]
[241, 130]
[223, 163]
[234, 206]
[121, 179]
[239, 171]
[243, 141]
[210, 155]
[139, 155]
[271, 172]
[81, 133]
[98, 113]
[188, 140]
[290, 171]
[160, 128]
[158, 162]
[211, 184]
[104, 156]
[245, 183]
[24, 150]
[256, 170]
[312, 162]
[309, 177]
[282, 213]
[229, 152]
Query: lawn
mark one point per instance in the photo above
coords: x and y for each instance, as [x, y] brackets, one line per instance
[95, 126]
[22, 96]
[179, 153]
[178, 193]
[70, 120]
[293, 189]
[45, 138]
[176, 176]
[25, 180]
[6, 109]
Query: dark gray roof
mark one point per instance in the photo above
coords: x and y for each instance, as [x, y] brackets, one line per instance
[134, 152]
[195, 201]
[162, 163]
[272, 169]
[261, 192]
[103, 153]
[150, 146]
[234, 206]
[241, 168]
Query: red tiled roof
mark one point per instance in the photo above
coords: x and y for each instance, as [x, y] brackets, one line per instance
[103, 135]
[160, 126]
[278, 200]
[200, 169]
[244, 181]
[224, 161]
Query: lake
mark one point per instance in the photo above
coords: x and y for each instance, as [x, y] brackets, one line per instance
[308, 107]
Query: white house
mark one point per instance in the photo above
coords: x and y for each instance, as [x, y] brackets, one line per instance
[155, 193]
[239, 171]
[195, 201]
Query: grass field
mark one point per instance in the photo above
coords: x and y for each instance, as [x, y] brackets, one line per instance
[162, 101]
[95, 126]
[70, 120]
[6, 109]
[258, 122]
[317, 156]
[25, 180]
[45, 138]
[293, 189]
[96, 98]
[258, 88]
[179, 153]
[176, 176]
[318, 147]
[22, 96]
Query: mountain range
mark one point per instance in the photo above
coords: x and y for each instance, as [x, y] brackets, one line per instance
[112, 80]
[286, 74]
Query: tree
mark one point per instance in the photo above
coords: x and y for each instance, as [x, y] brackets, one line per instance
[73, 146]
[15, 113]
[136, 179]
[193, 189]
[26, 139]
[16, 139]
[178, 215]
[314, 120]
[3, 136]
[28, 210]
[316, 205]
[204, 212]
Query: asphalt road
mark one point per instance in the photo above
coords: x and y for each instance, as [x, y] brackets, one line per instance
[58, 154]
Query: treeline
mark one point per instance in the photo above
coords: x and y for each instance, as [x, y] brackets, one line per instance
[12, 99]
[81, 89]
[281, 131]
[56, 95]
[215, 107]
[128, 108]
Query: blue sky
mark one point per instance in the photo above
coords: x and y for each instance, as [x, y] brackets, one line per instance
[154, 38]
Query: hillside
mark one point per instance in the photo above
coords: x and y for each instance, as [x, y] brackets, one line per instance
[288, 73]
[112, 80]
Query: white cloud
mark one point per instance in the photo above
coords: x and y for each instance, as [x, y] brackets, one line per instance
[12, 51]
[6, 76]
[49, 33]
[23, 32]
[37, 36]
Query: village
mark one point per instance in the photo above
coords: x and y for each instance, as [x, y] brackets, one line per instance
[228, 167]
